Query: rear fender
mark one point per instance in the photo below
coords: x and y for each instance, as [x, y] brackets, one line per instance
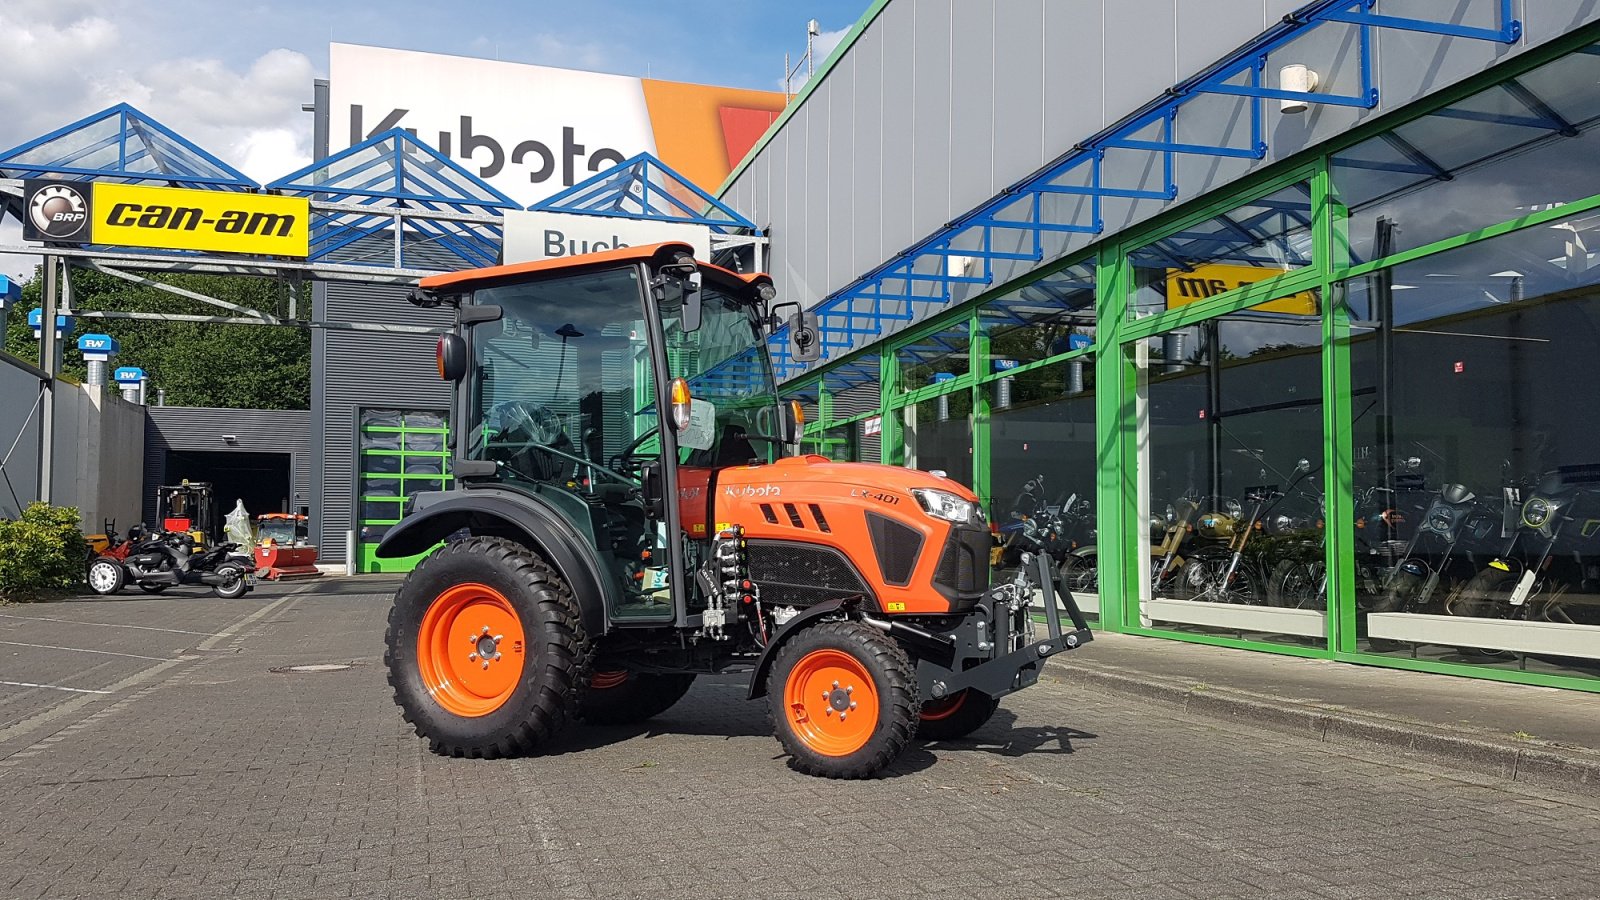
[486, 511]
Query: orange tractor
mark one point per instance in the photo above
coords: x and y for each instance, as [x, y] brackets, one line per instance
[625, 518]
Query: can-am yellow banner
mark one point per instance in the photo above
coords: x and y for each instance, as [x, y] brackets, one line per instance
[132, 215]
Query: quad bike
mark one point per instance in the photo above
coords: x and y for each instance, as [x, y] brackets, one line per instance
[615, 533]
[159, 561]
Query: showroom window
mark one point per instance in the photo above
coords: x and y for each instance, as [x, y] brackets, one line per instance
[402, 453]
[1477, 452]
[936, 357]
[938, 434]
[1522, 146]
[1254, 241]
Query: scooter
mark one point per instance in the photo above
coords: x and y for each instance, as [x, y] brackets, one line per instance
[162, 560]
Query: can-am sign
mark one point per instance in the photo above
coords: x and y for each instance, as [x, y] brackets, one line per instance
[533, 130]
[544, 235]
[134, 215]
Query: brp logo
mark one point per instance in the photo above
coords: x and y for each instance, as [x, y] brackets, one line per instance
[58, 212]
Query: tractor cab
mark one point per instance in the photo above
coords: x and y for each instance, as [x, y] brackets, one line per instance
[565, 376]
[188, 508]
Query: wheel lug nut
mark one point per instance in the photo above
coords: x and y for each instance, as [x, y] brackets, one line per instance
[830, 710]
[485, 629]
[824, 695]
[498, 638]
[486, 664]
[472, 657]
[842, 715]
[497, 656]
[852, 704]
[836, 684]
[850, 690]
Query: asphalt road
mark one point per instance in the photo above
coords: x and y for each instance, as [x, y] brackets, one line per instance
[149, 749]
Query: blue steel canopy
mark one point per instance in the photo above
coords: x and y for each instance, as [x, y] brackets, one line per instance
[1065, 197]
[122, 144]
[644, 187]
[391, 171]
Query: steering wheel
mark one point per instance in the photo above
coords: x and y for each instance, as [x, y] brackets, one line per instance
[624, 461]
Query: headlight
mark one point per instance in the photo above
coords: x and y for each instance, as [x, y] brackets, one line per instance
[945, 505]
[1536, 512]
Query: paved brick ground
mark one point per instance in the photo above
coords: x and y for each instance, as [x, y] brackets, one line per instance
[204, 774]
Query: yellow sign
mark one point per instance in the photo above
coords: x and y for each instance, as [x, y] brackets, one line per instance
[1186, 287]
[134, 215]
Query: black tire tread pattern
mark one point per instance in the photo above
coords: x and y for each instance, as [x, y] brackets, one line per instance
[900, 701]
[551, 696]
[641, 697]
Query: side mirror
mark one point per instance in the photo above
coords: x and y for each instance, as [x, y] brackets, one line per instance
[652, 488]
[691, 303]
[1303, 465]
[451, 355]
[805, 343]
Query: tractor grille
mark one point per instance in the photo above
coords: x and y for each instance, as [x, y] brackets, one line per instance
[897, 547]
[801, 574]
[963, 572]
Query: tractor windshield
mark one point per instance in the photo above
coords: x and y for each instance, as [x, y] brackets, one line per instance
[562, 386]
[725, 362]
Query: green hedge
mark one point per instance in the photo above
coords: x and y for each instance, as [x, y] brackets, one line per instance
[41, 553]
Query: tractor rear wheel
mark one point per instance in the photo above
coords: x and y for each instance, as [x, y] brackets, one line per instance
[843, 700]
[621, 697]
[486, 651]
[956, 716]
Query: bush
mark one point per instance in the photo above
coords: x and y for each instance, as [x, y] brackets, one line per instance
[41, 553]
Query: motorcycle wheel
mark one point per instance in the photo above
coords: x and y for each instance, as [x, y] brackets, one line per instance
[234, 584]
[153, 588]
[1395, 598]
[1487, 592]
[106, 576]
[1296, 584]
[1079, 575]
[1201, 579]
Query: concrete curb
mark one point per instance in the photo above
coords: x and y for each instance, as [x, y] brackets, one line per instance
[1538, 763]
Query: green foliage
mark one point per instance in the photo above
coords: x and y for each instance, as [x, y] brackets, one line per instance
[41, 553]
[197, 364]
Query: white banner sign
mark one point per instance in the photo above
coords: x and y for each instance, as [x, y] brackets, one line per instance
[545, 235]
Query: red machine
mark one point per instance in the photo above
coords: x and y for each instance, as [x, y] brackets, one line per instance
[282, 548]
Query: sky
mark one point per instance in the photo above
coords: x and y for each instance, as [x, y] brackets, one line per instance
[231, 76]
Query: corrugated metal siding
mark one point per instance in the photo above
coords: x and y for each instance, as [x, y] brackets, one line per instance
[257, 431]
[943, 103]
[372, 370]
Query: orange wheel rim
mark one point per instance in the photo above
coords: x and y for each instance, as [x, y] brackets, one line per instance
[832, 702]
[603, 681]
[470, 649]
[944, 709]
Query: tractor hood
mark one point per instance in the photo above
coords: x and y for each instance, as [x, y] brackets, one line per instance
[791, 475]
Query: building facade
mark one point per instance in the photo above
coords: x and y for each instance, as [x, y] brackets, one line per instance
[1292, 362]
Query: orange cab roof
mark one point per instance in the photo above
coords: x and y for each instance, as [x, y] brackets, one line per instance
[621, 255]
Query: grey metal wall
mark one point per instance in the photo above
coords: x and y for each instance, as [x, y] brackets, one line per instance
[352, 370]
[256, 431]
[19, 435]
[940, 104]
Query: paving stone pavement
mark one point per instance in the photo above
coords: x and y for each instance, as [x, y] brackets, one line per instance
[203, 773]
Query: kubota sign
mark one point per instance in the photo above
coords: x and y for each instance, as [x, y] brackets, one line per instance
[134, 215]
[533, 130]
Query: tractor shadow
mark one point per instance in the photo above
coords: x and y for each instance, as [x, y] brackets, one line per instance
[717, 708]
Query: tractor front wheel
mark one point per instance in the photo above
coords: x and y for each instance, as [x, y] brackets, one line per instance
[843, 700]
[956, 716]
[486, 651]
[620, 697]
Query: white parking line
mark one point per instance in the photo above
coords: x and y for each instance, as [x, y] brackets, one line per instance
[104, 624]
[82, 650]
[52, 687]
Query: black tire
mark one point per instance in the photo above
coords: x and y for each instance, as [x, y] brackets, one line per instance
[1080, 574]
[956, 716]
[149, 588]
[894, 683]
[554, 670]
[1395, 598]
[105, 576]
[1488, 592]
[635, 698]
[234, 584]
[1202, 573]
[1296, 584]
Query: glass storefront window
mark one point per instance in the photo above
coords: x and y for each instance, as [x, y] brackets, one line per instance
[1519, 147]
[938, 435]
[935, 358]
[401, 453]
[1477, 453]
[1046, 318]
[1229, 474]
[1252, 242]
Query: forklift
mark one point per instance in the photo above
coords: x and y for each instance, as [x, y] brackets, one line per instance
[188, 508]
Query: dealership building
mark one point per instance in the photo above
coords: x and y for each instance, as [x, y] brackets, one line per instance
[1277, 313]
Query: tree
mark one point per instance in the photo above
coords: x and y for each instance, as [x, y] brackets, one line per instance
[197, 364]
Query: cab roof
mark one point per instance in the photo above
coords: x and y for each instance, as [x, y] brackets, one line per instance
[451, 282]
